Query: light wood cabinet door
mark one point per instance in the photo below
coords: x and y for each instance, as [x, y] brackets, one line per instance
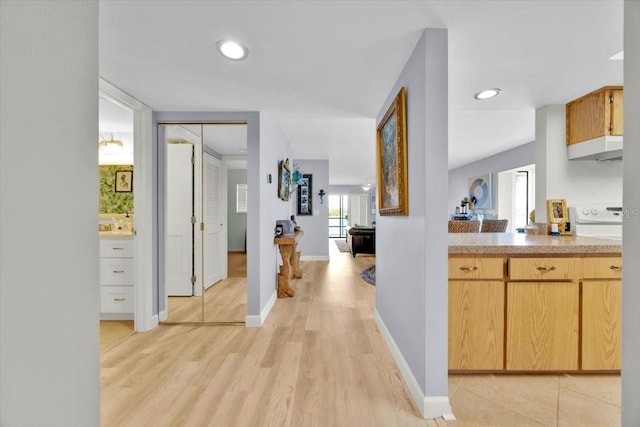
[544, 268]
[476, 325]
[542, 326]
[602, 268]
[594, 115]
[601, 322]
[617, 112]
[476, 268]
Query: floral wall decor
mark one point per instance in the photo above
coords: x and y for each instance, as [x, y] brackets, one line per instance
[110, 201]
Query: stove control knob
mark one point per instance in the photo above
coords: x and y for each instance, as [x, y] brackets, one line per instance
[585, 211]
[594, 212]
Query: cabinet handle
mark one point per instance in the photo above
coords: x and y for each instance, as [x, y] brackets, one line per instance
[543, 269]
[474, 268]
[615, 267]
[118, 271]
[119, 299]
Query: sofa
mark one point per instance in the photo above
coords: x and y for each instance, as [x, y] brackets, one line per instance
[362, 240]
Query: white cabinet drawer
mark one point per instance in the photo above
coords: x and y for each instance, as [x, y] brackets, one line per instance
[116, 248]
[116, 299]
[116, 271]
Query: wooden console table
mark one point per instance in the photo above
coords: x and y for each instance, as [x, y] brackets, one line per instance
[290, 263]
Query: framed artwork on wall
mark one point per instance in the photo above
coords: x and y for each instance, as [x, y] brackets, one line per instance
[393, 196]
[481, 192]
[305, 195]
[284, 180]
[124, 182]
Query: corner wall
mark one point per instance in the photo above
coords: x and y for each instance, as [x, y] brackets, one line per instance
[273, 147]
[49, 293]
[411, 270]
[314, 244]
[631, 225]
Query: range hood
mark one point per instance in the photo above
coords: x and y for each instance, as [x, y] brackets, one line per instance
[601, 149]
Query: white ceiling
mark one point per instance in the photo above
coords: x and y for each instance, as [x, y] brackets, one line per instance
[325, 68]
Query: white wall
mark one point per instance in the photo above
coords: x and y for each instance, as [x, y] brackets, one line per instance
[414, 308]
[273, 147]
[459, 178]
[631, 226]
[314, 245]
[574, 180]
[49, 299]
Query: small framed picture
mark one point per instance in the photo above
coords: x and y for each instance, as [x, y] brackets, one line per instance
[124, 182]
[557, 210]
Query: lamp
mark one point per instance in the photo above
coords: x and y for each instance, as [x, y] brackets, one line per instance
[112, 142]
[321, 193]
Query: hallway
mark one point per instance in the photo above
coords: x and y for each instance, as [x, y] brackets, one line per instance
[320, 360]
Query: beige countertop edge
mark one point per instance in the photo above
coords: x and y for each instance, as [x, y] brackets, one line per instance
[518, 243]
[115, 234]
[534, 250]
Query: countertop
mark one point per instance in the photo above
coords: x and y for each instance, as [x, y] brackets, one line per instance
[529, 244]
[115, 234]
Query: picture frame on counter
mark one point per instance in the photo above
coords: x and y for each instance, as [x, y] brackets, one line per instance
[557, 211]
[123, 182]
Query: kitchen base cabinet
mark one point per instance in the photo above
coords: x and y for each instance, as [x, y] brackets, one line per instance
[542, 326]
[476, 325]
[601, 332]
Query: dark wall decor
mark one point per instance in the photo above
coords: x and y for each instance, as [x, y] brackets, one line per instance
[305, 195]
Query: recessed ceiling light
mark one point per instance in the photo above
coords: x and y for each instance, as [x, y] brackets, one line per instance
[232, 49]
[366, 187]
[486, 94]
[618, 56]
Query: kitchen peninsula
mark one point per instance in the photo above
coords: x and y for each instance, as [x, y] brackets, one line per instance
[534, 303]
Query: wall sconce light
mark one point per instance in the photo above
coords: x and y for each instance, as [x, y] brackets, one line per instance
[321, 193]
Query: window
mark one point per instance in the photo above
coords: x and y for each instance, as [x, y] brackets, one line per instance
[241, 198]
[338, 205]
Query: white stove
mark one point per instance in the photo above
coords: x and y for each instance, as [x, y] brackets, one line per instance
[597, 220]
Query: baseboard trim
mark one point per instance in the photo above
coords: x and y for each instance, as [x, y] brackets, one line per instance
[258, 321]
[314, 258]
[430, 407]
[162, 316]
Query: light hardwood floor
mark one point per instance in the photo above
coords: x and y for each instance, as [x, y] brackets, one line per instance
[114, 331]
[226, 301]
[319, 360]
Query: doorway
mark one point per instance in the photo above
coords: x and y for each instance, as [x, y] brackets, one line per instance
[198, 289]
[338, 215]
[115, 221]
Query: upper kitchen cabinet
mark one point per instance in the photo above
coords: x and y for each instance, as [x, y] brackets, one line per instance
[594, 115]
[595, 126]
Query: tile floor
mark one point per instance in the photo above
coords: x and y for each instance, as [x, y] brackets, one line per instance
[535, 400]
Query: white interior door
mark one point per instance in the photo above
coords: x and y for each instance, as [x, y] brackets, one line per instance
[179, 202]
[213, 222]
